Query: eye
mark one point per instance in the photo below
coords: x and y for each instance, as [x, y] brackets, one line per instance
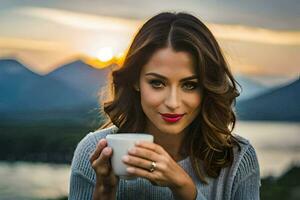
[190, 85]
[156, 83]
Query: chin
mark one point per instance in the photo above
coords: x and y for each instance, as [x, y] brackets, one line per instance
[171, 130]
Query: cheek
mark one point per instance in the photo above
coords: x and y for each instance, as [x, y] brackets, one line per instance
[150, 97]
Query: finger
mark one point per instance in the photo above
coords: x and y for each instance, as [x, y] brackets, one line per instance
[137, 162]
[103, 168]
[101, 164]
[135, 171]
[144, 153]
[151, 146]
[110, 180]
[101, 144]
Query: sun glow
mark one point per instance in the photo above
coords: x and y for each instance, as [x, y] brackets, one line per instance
[104, 57]
[105, 54]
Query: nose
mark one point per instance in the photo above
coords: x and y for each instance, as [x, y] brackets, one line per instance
[172, 100]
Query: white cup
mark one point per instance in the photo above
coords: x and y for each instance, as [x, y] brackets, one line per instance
[120, 144]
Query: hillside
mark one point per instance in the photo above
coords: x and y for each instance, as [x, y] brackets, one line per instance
[279, 104]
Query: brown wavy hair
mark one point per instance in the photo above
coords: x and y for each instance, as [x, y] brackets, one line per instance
[209, 141]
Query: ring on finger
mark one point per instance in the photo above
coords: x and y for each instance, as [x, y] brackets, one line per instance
[152, 166]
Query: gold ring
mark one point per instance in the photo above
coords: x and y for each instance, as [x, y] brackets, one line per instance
[153, 166]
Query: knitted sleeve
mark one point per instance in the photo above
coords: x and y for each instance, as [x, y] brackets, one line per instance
[247, 180]
[199, 195]
[82, 176]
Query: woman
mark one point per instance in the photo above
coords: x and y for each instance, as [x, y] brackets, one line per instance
[175, 85]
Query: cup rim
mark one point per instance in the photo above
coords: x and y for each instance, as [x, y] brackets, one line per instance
[129, 136]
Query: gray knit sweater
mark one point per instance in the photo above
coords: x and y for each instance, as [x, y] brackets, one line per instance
[240, 181]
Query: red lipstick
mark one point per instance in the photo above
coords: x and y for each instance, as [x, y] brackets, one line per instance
[171, 117]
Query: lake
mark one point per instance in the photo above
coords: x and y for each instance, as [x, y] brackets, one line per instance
[277, 146]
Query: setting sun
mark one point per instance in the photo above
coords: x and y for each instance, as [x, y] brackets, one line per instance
[104, 57]
[105, 54]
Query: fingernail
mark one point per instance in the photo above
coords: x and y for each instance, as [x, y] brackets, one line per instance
[102, 142]
[137, 142]
[130, 169]
[107, 151]
[125, 158]
[132, 150]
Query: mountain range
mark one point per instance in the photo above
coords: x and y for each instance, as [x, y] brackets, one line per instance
[249, 88]
[71, 94]
[278, 104]
[68, 93]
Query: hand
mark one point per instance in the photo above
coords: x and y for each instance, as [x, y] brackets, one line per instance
[167, 172]
[106, 181]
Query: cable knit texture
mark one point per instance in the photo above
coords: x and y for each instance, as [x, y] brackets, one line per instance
[239, 181]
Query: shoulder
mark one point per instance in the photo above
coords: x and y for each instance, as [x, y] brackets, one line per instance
[80, 162]
[245, 161]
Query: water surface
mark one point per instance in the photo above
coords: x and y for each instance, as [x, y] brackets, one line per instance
[277, 146]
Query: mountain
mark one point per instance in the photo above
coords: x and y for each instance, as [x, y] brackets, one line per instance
[250, 88]
[83, 77]
[12, 75]
[23, 90]
[70, 94]
[282, 104]
[26, 96]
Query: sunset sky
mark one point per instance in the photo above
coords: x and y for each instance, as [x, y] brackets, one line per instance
[258, 37]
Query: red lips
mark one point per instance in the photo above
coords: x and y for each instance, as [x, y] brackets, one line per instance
[168, 117]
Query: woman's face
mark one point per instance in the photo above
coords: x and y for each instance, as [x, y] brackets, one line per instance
[169, 88]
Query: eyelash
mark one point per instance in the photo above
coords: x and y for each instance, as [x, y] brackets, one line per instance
[193, 84]
[153, 83]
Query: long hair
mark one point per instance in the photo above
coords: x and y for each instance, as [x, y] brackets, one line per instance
[209, 141]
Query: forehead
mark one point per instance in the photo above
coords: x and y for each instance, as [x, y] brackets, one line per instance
[170, 63]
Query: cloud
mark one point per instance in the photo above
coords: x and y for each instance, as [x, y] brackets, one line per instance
[113, 24]
[79, 20]
[257, 35]
[256, 49]
[30, 44]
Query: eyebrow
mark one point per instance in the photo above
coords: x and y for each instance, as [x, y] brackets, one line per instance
[164, 78]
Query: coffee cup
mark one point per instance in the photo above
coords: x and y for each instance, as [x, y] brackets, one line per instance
[120, 144]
